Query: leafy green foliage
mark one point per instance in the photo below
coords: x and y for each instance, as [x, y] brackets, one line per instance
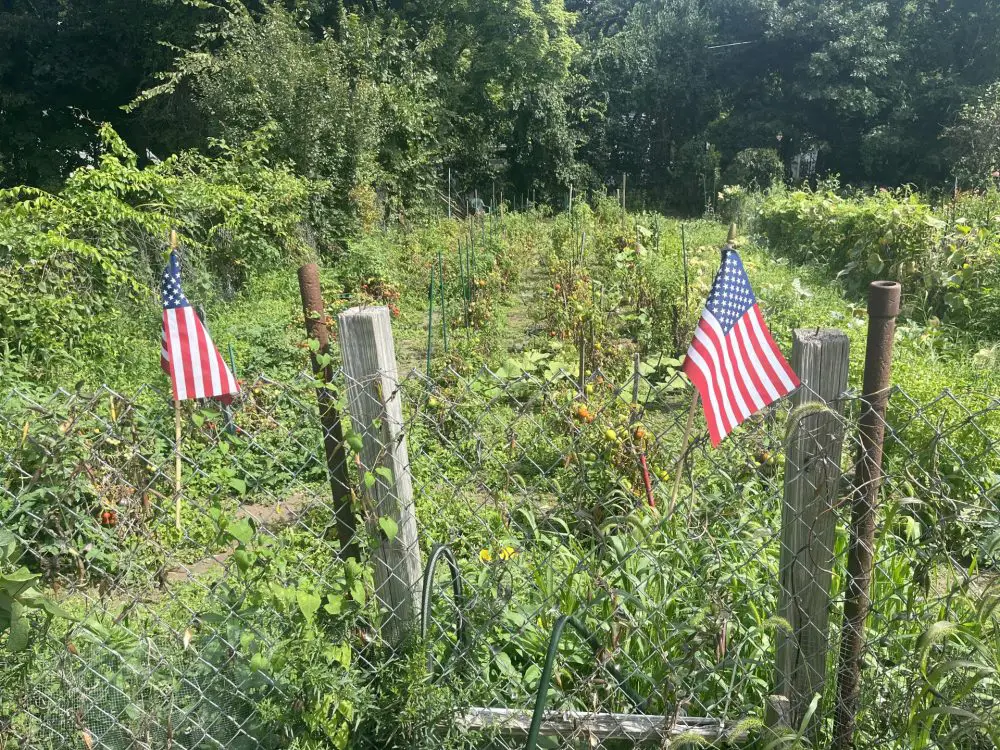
[66, 65]
[947, 261]
[378, 99]
[975, 140]
[545, 502]
[339, 109]
[75, 262]
[19, 595]
[755, 169]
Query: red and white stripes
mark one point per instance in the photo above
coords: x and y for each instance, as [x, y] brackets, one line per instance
[189, 356]
[737, 374]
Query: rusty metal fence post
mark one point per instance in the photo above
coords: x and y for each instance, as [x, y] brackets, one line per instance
[333, 429]
[883, 307]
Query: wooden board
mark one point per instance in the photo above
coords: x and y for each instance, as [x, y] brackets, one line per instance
[585, 725]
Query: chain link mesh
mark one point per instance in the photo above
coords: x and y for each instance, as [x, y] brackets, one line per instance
[538, 496]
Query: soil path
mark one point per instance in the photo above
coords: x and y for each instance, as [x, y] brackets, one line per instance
[270, 517]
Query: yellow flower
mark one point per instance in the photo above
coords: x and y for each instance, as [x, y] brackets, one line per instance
[485, 556]
[507, 552]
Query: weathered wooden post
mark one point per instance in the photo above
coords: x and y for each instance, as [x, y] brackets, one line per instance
[812, 481]
[375, 405]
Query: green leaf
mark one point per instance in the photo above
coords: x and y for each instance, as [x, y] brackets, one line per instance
[16, 583]
[239, 485]
[309, 604]
[354, 440]
[243, 559]
[385, 473]
[20, 629]
[358, 591]
[334, 604]
[389, 527]
[339, 653]
[369, 480]
[241, 531]
[21, 575]
[54, 609]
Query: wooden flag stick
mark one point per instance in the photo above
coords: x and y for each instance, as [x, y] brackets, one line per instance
[678, 467]
[177, 431]
[177, 464]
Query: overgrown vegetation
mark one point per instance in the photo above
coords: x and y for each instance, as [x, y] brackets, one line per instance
[76, 263]
[555, 464]
[269, 133]
[946, 257]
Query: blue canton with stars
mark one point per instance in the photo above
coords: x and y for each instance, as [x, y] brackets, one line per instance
[173, 295]
[731, 295]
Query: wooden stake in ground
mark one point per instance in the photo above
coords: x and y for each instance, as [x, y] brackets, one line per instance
[177, 432]
[643, 464]
[430, 320]
[444, 308]
[812, 476]
[624, 178]
[375, 405]
[177, 464]
[684, 265]
[679, 466]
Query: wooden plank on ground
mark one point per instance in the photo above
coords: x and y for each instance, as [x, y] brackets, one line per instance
[600, 726]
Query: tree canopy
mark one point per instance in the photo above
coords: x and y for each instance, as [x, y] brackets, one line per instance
[377, 99]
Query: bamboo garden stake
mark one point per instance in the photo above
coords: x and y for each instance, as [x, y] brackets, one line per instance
[430, 320]
[441, 297]
[177, 431]
[679, 466]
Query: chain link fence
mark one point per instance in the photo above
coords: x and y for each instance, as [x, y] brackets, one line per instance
[524, 540]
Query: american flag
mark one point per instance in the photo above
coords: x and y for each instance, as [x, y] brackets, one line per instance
[733, 360]
[187, 353]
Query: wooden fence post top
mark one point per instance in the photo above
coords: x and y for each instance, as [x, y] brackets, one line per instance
[365, 311]
[366, 342]
[822, 361]
[819, 334]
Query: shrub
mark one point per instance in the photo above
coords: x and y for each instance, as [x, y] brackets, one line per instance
[947, 262]
[695, 175]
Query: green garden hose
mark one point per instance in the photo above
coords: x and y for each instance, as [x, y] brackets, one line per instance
[546, 678]
[437, 552]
